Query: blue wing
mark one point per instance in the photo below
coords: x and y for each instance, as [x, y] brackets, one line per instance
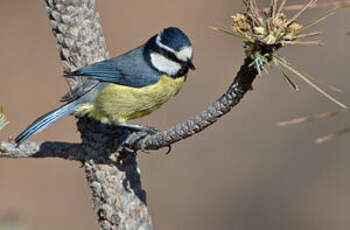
[103, 71]
[129, 69]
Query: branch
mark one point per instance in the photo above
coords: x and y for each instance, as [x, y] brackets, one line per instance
[116, 187]
[80, 40]
[241, 84]
[42, 150]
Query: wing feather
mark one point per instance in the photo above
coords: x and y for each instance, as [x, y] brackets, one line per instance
[129, 69]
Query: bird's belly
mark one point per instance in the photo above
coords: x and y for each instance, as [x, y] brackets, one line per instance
[118, 103]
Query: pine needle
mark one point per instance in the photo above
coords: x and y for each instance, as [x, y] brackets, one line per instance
[300, 36]
[301, 12]
[318, 20]
[332, 136]
[305, 43]
[311, 118]
[283, 3]
[327, 85]
[305, 77]
[286, 77]
[229, 32]
[274, 8]
[319, 5]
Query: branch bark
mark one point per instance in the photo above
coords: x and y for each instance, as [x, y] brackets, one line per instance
[68, 151]
[112, 173]
[116, 187]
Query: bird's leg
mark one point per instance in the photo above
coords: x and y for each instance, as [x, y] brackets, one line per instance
[140, 128]
[145, 130]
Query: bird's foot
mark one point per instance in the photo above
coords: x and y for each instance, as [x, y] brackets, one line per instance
[143, 132]
[140, 128]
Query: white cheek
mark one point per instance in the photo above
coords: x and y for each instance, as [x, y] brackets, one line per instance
[185, 54]
[165, 65]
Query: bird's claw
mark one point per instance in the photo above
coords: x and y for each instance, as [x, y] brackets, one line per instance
[143, 146]
[82, 164]
[169, 150]
[127, 149]
[141, 136]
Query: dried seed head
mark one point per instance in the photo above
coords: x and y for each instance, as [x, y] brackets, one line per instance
[240, 22]
[265, 33]
[294, 28]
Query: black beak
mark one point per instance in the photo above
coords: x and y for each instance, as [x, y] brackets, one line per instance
[190, 65]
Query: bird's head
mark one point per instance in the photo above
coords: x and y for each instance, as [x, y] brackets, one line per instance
[170, 52]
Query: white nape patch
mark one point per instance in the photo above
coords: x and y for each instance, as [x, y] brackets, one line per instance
[184, 54]
[164, 64]
[160, 44]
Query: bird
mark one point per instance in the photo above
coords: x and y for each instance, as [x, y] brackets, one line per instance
[126, 87]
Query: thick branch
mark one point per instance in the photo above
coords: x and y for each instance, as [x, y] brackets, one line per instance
[116, 187]
[80, 40]
[42, 150]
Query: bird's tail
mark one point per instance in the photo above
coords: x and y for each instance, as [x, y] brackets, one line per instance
[46, 120]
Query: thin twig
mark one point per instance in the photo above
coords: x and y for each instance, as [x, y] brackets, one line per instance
[319, 5]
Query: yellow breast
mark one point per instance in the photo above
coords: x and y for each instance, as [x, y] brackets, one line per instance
[118, 104]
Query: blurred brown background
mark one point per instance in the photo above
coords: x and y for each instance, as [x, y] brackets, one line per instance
[242, 173]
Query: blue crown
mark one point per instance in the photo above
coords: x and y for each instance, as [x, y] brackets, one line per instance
[174, 38]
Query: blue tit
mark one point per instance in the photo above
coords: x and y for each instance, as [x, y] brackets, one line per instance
[128, 86]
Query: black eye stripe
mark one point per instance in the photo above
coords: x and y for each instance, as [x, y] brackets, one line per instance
[170, 56]
[151, 46]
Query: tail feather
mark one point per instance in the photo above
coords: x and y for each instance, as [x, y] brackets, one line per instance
[45, 121]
